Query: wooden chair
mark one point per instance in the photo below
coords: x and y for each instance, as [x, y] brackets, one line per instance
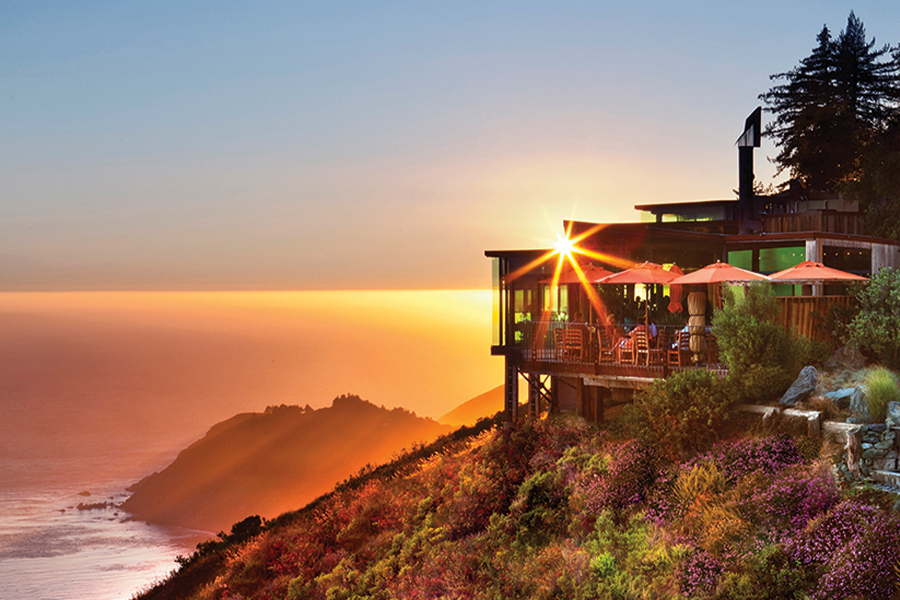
[656, 355]
[625, 351]
[606, 345]
[569, 342]
[640, 338]
[680, 354]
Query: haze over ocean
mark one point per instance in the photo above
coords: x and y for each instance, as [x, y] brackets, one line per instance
[98, 389]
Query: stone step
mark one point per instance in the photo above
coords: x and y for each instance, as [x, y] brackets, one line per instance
[887, 477]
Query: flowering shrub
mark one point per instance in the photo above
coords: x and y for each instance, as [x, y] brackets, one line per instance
[791, 499]
[632, 469]
[856, 546]
[698, 574]
[737, 458]
[527, 514]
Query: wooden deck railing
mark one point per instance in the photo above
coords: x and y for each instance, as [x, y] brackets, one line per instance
[586, 349]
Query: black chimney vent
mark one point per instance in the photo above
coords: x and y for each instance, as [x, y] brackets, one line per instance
[749, 140]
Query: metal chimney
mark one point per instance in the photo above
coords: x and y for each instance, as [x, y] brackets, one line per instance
[749, 140]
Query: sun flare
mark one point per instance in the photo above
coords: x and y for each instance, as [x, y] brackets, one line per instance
[564, 245]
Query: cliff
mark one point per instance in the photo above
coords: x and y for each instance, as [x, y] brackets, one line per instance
[268, 463]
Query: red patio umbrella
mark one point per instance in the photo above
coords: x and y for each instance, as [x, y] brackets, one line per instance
[813, 272]
[646, 272]
[717, 273]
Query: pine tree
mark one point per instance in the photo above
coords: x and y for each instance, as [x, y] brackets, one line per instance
[833, 105]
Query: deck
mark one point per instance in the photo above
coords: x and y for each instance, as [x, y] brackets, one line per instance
[586, 351]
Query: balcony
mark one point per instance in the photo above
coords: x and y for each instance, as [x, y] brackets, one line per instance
[616, 351]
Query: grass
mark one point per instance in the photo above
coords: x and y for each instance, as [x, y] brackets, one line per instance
[881, 389]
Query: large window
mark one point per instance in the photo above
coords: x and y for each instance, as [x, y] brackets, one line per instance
[854, 260]
[778, 259]
[496, 314]
[742, 259]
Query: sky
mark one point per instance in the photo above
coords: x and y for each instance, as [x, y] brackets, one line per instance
[365, 145]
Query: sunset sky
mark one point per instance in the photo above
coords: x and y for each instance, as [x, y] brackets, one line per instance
[358, 145]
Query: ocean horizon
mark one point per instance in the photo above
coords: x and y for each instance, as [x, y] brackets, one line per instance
[99, 389]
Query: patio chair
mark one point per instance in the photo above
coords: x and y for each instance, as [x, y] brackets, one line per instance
[569, 342]
[656, 354]
[641, 340]
[679, 355]
[625, 351]
[606, 345]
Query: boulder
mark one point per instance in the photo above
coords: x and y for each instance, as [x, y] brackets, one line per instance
[859, 405]
[802, 388]
[893, 414]
[846, 357]
[841, 397]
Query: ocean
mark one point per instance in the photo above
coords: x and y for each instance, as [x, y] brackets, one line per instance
[98, 389]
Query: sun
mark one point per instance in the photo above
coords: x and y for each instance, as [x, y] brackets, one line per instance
[564, 245]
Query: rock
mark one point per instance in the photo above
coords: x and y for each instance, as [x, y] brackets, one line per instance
[802, 387]
[878, 427]
[841, 397]
[846, 357]
[873, 453]
[893, 414]
[859, 405]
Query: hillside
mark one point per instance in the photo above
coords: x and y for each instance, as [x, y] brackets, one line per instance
[558, 509]
[266, 464]
[482, 406]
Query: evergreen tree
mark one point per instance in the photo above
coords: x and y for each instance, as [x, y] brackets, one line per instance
[833, 105]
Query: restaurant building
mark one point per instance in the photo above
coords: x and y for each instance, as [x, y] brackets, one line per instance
[553, 337]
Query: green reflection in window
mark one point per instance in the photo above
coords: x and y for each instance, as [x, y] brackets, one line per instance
[742, 259]
[778, 259]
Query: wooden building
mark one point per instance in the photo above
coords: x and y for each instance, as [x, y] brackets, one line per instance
[533, 324]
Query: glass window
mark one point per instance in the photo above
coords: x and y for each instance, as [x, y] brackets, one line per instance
[787, 289]
[778, 259]
[742, 259]
[856, 260]
[497, 318]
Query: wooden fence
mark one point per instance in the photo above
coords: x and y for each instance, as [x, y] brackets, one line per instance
[806, 314]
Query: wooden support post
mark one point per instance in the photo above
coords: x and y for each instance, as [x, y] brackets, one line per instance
[582, 399]
[600, 406]
[511, 391]
[534, 395]
[554, 394]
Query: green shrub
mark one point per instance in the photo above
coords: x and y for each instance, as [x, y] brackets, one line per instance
[768, 575]
[875, 328]
[762, 357]
[812, 352]
[881, 388]
[681, 414]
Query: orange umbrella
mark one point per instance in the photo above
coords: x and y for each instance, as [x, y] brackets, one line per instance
[646, 272]
[813, 272]
[717, 273]
[592, 274]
